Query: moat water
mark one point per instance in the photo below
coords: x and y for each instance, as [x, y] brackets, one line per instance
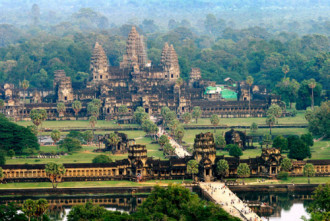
[285, 206]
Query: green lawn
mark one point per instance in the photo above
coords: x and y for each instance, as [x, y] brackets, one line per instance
[89, 184]
[299, 119]
[78, 124]
[321, 150]
[189, 135]
[86, 155]
[295, 180]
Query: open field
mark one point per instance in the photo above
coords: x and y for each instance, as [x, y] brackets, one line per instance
[189, 135]
[78, 124]
[299, 119]
[90, 184]
[86, 154]
[291, 180]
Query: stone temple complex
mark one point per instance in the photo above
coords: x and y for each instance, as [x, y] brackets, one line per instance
[139, 165]
[139, 82]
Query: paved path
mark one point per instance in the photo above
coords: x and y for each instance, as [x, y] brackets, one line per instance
[179, 150]
[229, 201]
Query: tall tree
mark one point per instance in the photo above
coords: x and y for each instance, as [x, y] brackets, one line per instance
[113, 140]
[163, 139]
[122, 110]
[29, 208]
[309, 171]
[299, 150]
[254, 127]
[76, 106]
[55, 173]
[249, 81]
[243, 170]
[41, 208]
[25, 86]
[55, 135]
[197, 112]
[270, 121]
[220, 141]
[192, 168]
[179, 133]
[61, 109]
[140, 115]
[222, 168]
[186, 117]
[215, 120]
[286, 165]
[92, 122]
[312, 85]
[318, 120]
[280, 143]
[93, 110]
[285, 70]
[234, 150]
[320, 206]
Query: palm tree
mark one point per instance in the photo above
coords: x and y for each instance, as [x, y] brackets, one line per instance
[55, 135]
[249, 81]
[113, 140]
[25, 86]
[285, 70]
[192, 168]
[61, 109]
[215, 120]
[55, 173]
[41, 207]
[29, 208]
[76, 106]
[92, 122]
[312, 85]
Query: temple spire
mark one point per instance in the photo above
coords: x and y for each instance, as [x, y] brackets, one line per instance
[99, 63]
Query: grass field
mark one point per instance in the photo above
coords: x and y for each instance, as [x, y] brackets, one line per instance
[299, 119]
[89, 184]
[291, 180]
[78, 124]
[189, 135]
[86, 155]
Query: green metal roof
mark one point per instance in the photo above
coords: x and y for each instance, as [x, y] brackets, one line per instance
[229, 94]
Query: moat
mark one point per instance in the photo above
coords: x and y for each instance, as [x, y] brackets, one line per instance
[285, 206]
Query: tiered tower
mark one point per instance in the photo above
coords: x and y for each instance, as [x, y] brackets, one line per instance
[137, 156]
[194, 77]
[170, 63]
[136, 56]
[63, 86]
[204, 154]
[99, 64]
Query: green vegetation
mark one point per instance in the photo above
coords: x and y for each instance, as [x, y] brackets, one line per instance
[222, 168]
[320, 207]
[178, 203]
[192, 168]
[234, 150]
[102, 159]
[243, 170]
[55, 173]
[318, 120]
[85, 184]
[15, 137]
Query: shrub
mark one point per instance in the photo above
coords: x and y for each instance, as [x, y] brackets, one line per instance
[283, 175]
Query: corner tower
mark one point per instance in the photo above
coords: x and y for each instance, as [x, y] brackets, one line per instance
[99, 64]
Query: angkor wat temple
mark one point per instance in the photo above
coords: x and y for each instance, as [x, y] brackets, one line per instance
[138, 164]
[138, 82]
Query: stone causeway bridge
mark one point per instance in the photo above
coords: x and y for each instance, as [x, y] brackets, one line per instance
[220, 194]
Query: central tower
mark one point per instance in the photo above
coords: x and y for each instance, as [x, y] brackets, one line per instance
[135, 56]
